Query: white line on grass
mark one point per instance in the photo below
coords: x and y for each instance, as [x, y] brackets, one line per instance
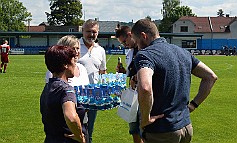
[229, 66]
[109, 58]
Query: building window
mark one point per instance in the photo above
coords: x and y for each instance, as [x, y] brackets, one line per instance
[71, 29]
[189, 44]
[184, 29]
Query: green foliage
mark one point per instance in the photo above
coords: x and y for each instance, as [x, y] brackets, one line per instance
[180, 11]
[65, 12]
[21, 86]
[165, 25]
[220, 13]
[13, 15]
[172, 11]
[148, 17]
[168, 7]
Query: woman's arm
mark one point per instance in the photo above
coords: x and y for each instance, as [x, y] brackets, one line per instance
[73, 121]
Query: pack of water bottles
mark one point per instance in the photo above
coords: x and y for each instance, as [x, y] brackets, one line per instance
[104, 94]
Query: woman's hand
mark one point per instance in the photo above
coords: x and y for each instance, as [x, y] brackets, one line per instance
[72, 136]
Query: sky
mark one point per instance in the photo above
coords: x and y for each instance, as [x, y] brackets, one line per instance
[130, 10]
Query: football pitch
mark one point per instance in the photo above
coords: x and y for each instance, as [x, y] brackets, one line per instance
[20, 119]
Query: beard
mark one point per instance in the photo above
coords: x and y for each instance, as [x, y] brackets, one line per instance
[89, 40]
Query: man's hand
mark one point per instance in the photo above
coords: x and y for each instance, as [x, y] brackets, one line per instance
[133, 82]
[151, 120]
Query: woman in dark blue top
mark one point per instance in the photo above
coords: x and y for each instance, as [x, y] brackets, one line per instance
[62, 122]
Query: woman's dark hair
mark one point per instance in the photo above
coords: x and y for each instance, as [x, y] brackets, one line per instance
[56, 57]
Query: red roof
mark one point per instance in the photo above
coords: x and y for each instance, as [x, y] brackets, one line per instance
[35, 28]
[203, 24]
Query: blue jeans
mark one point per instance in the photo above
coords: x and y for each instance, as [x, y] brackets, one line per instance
[91, 120]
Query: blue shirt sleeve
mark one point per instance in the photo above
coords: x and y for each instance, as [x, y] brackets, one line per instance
[195, 62]
[142, 60]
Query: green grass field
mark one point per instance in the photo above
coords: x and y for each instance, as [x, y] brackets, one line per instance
[20, 120]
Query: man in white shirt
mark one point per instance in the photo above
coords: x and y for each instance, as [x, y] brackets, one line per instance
[93, 58]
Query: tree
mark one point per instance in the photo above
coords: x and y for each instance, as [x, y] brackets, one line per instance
[220, 13]
[180, 11]
[65, 12]
[168, 7]
[148, 17]
[167, 11]
[13, 15]
[171, 12]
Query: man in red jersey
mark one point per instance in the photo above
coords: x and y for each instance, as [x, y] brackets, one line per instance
[4, 49]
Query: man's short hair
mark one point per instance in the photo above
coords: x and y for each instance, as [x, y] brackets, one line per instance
[56, 57]
[90, 22]
[122, 31]
[146, 26]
